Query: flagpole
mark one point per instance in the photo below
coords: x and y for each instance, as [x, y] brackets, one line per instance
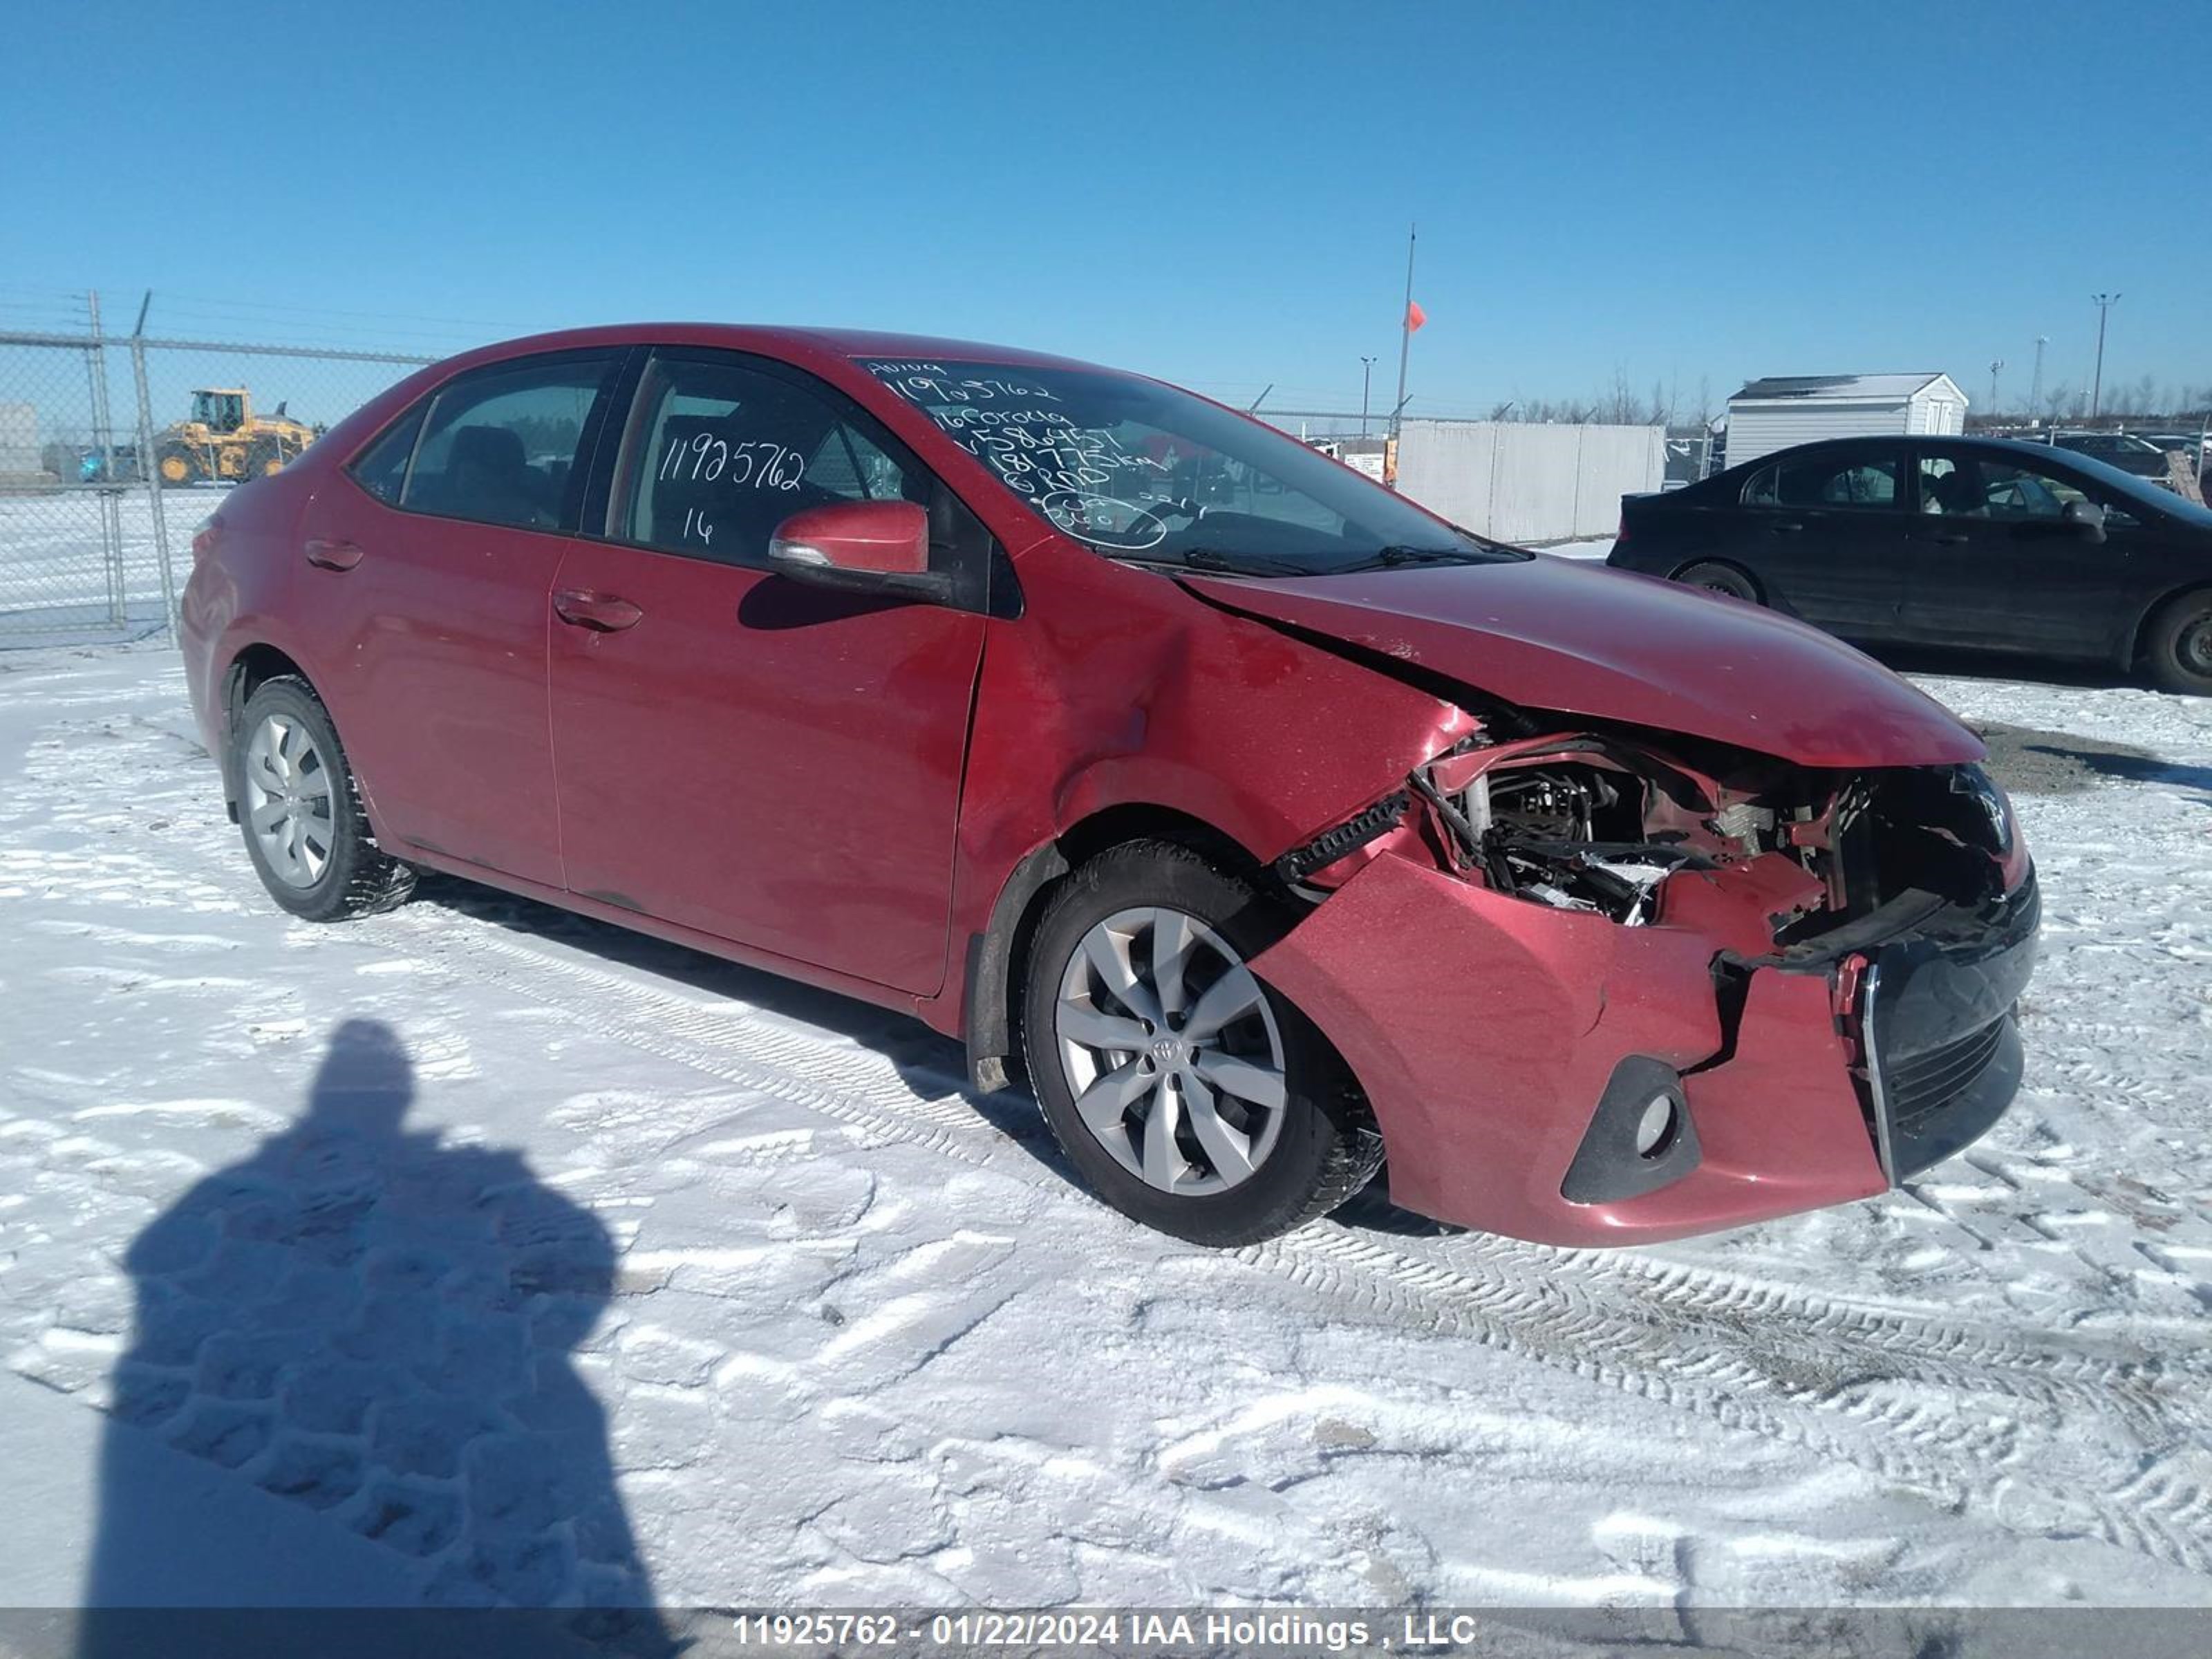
[1405, 330]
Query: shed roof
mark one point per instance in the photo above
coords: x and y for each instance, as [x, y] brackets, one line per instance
[1838, 387]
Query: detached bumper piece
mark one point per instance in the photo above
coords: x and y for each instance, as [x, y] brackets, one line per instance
[1553, 1075]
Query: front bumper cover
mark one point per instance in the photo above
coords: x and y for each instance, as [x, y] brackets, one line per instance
[1486, 1031]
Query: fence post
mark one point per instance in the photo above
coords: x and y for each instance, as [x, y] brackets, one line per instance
[111, 519]
[150, 471]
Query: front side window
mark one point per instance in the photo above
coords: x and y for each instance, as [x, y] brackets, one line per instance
[1969, 487]
[722, 451]
[1984, 486]
[505, 445]
[1148, 473]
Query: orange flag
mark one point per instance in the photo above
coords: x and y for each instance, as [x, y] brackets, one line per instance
[1414, 315]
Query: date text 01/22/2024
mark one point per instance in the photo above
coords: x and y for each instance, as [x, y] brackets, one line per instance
[1158, 1631]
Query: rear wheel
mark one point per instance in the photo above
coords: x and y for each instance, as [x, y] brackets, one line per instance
[1190, 1096]
[265, 456]
[2178, 644]
[1719, 578]
[305, 831]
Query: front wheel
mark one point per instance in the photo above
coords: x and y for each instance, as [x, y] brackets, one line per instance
[178, 465]
[1190, 1096]
[304, 831]
[1719, 578]
[2178, 644]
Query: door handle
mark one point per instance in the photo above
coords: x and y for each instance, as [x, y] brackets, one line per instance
[602, 613]
[1947, 538]
[331, 555]
[1784, 528]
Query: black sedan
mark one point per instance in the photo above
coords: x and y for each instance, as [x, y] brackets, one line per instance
[1949, 541]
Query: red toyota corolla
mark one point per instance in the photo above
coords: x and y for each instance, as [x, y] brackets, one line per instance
[1270, 824]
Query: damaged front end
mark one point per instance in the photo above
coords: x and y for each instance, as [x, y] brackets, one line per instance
[1604, 985]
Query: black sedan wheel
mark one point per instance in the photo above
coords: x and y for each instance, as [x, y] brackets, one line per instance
[1719, 578]
[2178, 644]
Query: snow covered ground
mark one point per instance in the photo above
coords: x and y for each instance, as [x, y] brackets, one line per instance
[505, 1255]
[64, 577]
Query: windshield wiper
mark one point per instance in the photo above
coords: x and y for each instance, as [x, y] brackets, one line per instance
[1389, 558]
[1214, 559]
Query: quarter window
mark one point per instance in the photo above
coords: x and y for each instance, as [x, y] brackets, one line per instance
[382, 470]
[720, 452]
[505, 445]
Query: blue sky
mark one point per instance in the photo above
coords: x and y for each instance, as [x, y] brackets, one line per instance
[1218, 193]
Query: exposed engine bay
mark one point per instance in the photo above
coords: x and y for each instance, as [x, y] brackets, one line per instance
[1607, 822]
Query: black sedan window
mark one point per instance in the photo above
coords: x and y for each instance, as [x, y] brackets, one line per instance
[1825, 481]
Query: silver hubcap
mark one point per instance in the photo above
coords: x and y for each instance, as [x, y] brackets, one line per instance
[1171, 1051]
[290, 807]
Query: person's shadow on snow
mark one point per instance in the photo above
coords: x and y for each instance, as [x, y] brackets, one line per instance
[375, 1325]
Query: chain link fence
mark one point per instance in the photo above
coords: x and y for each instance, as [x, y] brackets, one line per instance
[114, 449]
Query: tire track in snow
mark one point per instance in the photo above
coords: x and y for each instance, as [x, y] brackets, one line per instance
[1970, 1415]
[2021, 1430]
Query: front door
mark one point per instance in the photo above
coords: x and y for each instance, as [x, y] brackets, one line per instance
[1995, 561]
[775, 764]
[423, 583]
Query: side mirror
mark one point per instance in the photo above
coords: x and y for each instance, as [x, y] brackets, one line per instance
[2087, 518]
[880, 547]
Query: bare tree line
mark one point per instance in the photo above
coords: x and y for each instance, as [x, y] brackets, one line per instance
[1665, 405]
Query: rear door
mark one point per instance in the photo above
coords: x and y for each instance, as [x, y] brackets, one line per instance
[1825, 533]
[429, 567]
[1994, 563]
[773, 764]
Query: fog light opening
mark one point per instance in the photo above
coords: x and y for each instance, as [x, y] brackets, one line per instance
[1657, 1128]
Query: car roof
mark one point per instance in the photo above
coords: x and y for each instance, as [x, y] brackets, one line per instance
[783, 339]
[1886, 440]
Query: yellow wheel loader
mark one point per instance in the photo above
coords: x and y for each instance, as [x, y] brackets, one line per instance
[225, 439]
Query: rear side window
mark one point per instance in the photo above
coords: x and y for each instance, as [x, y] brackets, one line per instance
[506, 445]
[720, 452]
[382, 470]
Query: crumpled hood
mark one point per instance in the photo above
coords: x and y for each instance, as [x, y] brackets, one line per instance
[1581, 639]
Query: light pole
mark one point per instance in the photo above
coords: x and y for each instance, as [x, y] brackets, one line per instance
[1405, 331]
[1996, 367]
[2035, 390]
[2104, 303]
[1366, 376]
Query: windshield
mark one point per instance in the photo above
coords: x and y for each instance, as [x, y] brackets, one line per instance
[1149, 474]
[2147, 492]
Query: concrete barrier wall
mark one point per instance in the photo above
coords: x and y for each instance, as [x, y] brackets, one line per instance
[1523, 482]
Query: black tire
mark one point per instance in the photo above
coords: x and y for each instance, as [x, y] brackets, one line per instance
[1325, 1147]
[178, 465]
[265, 456]
[1719, 578]
[2178, 644]
[355, 877]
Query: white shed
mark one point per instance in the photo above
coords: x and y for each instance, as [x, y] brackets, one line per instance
[1801, 409]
